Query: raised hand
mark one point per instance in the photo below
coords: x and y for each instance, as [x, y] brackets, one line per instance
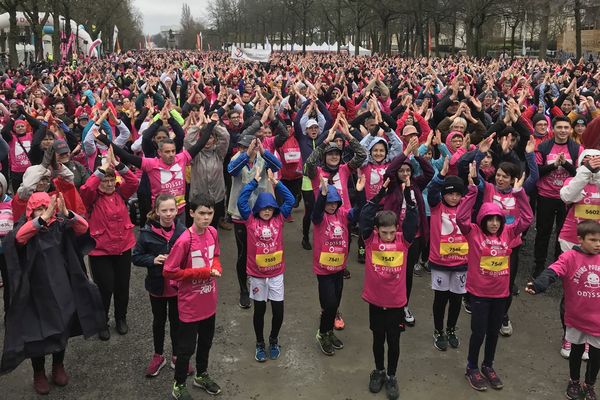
[360, 183]
[472, 172]
[272, 178]
[519, 182]
[530, 146]
[323, 185]
[258, 174]
[486, 144]
[445, 167]
[49, 212]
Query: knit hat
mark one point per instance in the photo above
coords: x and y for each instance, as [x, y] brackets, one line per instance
[537, 118]
[579, 121]
[453, 184]
[332, 147]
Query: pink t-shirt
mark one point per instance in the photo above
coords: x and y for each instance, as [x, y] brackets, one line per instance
[330, 241]
[17, 152]
[550, 184]
[196, 298]
[265, 257]
[385, 272]
[340, 181]
[587, 208]
[448, 246]
[580, 274]
[168, 178]
[373, 178]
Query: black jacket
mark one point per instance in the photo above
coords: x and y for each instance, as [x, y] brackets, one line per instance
[148, 246]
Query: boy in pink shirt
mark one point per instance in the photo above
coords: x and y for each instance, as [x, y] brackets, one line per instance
[265, 262]
[194, 264]
[385, 282]
[579, 271]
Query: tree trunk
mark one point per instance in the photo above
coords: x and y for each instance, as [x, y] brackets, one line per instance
[13, 34]
[544, 30]
[513, 33]
[56, 37]
[304, 12]
[453, 33]
[578, 28]
[436, 25]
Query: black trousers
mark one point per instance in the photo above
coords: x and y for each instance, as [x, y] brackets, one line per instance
[16, 178]
[161, 306]
[514, 269]
[440, 300]
[593, 365]
[258, 320]
[385, 326]
[486, 319]
[219, 213]
[549, 211]
[240, 240]
[411, 259]
[330, 297]
[294, 186]
[308, 196]
[193, 336]
[38, 362]
[112, 275]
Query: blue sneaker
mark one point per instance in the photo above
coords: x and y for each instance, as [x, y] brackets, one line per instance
[274, 349]
[261, 354]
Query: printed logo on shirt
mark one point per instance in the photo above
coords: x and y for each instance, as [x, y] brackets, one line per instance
[587, 281]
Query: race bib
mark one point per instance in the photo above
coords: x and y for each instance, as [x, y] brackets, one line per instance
[180, 201]
[331, 259]
[292, 156]
[587, 211]
[454, 249]
[494, 263]
[390, 259]
[269, 260]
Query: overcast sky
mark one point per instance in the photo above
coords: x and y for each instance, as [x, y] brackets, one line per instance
[157, 13]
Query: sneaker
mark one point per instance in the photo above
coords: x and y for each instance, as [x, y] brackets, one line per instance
[377, 380]
[574, 390]
[156, 364]
[338, 323]
[306, 244]
[440, 341]
[586, 353]
[402, 327]
[347, 274]
[492, 377]
[244, 300]
[506, 329]
[475, 379]
[121, 326]
[426, 267]
[391, 388]
[408, 317]
[274, 349]
[180, 392]
[418, 270]
[261, 354]
[190, 368]
[515, 290]
[466, 306]
[325, 344]
[589, 392]
[335, 341]
[205, 382]
[104, 334]
[40, 383]
[565, 349]
[453, 340]
[59, 375]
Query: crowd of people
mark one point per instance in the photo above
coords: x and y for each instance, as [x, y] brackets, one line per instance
[435, 165]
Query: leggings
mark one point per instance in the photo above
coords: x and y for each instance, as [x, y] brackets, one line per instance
[440, 300]
[309, 204]
[160, 305]
[193, 336]
[411, 259]
[239, 229]
[514, 268]
[295, 187]
[112, 275]
[260, 308]
[38, 362]
[593, 366]
[330, 296]
[385, 327]
[486, 319]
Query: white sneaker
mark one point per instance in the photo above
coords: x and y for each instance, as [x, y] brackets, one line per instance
[506, 329]
[408, 317]
[565, 349]
[586, 353]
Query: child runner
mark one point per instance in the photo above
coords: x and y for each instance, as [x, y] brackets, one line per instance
[194, 264]
[265, 261]
[447, 255]
[578, 270]
[385, 283]
[330, 255]
[488, 274]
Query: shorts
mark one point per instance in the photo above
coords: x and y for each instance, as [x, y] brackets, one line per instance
[263, 289]
[575, 336]
[453, 281]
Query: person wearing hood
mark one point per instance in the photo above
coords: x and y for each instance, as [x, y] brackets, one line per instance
[265, 261]
[576, 268]
[19, 135]
[331, 218]
[488, 274]
[6, 225]
[57, 301]
[457, 144]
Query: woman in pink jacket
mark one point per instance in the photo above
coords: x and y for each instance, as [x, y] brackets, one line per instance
[111, 228]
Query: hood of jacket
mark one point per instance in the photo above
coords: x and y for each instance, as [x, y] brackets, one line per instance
[584, 153]
[37, 199]
[333, 196]
[488, 209]
[265, 200]
[449, 140]
[377, 139]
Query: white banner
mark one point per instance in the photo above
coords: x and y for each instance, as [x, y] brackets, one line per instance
[115, 35]
[254, 55]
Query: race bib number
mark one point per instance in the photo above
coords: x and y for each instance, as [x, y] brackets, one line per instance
[331, 259]
[494, 263]
[269, 260]
[390, 259]
[587, 211]
[454, 249]
[292, 156]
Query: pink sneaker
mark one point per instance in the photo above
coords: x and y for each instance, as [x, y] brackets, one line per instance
[339, 323]
[158, 361]
[190, 368]
[565, 350]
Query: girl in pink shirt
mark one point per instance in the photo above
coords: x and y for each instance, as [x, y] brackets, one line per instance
[579, 270]
[488, 274]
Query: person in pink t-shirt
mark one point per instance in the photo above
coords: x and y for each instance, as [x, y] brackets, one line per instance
[385, 282]
[579, 270]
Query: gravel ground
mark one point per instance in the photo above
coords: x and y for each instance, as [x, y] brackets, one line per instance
[529, 362]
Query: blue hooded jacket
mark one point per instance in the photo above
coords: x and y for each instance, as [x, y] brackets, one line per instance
[333, 196]
[265, 200]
